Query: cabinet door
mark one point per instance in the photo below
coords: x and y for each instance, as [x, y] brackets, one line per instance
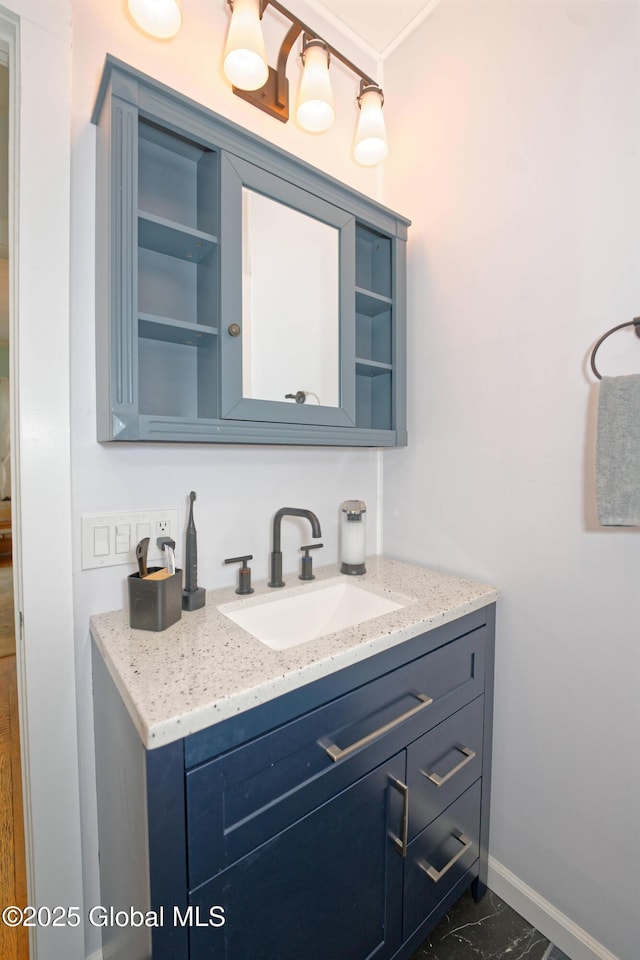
[329, 885]
[288, 263]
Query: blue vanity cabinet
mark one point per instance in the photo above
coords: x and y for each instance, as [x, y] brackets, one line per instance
[352, 811]
[172, 351]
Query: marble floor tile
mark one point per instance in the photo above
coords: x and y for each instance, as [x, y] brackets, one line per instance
[555, 954]
[489, 930]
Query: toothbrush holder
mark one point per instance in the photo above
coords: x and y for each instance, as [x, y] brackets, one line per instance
[154, 604]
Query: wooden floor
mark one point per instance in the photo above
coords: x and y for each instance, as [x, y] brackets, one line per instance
[14, 943]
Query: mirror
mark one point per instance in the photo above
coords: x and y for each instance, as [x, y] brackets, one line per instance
[290, 304]
[287, 299]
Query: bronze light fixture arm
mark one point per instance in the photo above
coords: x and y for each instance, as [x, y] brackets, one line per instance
[315, 36]
[273, 97]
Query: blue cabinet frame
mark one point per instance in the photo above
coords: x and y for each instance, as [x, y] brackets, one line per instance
[169, 177]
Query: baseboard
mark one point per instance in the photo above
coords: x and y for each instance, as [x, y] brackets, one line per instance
[567, 935]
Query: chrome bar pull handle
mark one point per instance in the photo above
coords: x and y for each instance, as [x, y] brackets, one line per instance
[437, 875]
[336, 753]
[469, 755]
[402, 841]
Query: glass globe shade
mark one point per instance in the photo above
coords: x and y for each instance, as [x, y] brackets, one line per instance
[245, 60]
[159, 18]
[371, 136]
[315, 111]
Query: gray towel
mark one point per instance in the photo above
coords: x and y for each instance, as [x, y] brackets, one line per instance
[618, 452]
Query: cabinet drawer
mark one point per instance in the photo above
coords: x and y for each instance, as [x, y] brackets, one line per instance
[440, 856]
[236, 802]
[443, 763]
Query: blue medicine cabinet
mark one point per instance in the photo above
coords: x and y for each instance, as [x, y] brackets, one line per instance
[242, 296]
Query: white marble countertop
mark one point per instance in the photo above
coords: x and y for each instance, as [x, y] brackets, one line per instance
[204, 668]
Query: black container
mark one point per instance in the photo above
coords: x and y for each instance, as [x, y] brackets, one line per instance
[155, 604]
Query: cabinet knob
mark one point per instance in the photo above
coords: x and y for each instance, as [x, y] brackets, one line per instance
[234, 330]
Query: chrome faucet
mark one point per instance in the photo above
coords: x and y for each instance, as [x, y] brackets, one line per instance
[275, 565]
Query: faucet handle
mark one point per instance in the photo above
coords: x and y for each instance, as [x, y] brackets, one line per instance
[307, 561]
[244, 574]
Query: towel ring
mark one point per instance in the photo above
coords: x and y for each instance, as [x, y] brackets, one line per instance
[630, 323]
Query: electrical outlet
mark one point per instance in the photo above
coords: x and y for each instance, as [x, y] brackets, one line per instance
[111, 538]
[163, 528]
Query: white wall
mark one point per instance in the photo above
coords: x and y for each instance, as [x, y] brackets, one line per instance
[239, 488]
[516, 153]
[37, 38]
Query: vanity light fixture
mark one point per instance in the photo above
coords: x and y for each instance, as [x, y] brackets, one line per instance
[266, 87]
[315, 111]
[159, 18]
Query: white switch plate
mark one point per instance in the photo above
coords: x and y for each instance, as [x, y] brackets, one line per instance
[142, 523]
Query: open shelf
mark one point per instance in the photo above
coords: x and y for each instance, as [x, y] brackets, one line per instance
[374, 335]
[178, 222]
[173, 331]
[177, 179]
[178, 275]
[176, 379]
[371, 304]
[369, 368]
[173, 239]
[374, 330]
[373, 397]
[373, 262]
[171, 287]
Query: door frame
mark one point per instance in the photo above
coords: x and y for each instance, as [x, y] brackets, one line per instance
[36, 35]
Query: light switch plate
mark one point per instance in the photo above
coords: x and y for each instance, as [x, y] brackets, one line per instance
[111, 538]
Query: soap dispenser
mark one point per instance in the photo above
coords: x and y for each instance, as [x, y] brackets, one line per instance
[352, 537]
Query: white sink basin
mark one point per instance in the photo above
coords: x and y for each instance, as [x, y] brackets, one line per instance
[291, 617]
